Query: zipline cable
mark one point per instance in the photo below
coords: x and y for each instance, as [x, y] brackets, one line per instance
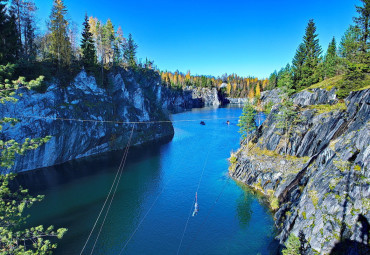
[142, 220]
[115, 190]
[119, 122]
[105, 202]
[146, 214]
[191, 208]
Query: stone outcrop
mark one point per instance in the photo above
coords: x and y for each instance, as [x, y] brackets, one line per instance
[322, 187]
[128, 98]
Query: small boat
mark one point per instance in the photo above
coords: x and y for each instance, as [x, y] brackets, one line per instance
[202, 123]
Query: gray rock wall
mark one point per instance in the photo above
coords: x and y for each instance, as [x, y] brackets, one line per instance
[125, 100]
[323, 185]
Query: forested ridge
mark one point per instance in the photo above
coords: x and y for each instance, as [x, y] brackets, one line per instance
[344, 66]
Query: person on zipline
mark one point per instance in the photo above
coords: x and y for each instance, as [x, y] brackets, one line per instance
[196, 208]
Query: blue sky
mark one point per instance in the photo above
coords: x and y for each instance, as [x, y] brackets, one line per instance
[246, 37]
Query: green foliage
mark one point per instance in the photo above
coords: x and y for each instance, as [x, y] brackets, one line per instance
[363, 23]
[88, 46]
[307, 59]
[292, 246]
[247, 122]
[13, 200]
[26, 241]
[9, 37]
[268, 107]
[331, 60]
[287, 117]
[273, 81]
[60, 45]
[285, 78]
[354, 78]
[325, 108]
[130, 52]
[350, 44]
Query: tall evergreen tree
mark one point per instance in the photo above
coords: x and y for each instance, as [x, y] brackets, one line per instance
[312, 57]
[363, 23]
[88, 46]
[285, 77]
[3, 28]
[247, 122]
[350, 44]
[9, 43]
[108, 38]
[273, 80]
[23, 12]
[298, 61]
[60, 49]
[130, 51]
[331, 60]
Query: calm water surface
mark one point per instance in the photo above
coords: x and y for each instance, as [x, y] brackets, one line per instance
[237, 224]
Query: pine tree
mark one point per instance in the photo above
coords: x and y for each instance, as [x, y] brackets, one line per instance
[247, 122]
[118, 46]
[108, 38]
[130, 52]
[312, 53]
[331, 60]
[60, 46]
[88, 46]
[23, 12]
[287, 116]
[298, 61]
[9, 42]
[363, 23]
[272, 81]
[292, 246]
[285, 77]
[13, 45]
[350, 44]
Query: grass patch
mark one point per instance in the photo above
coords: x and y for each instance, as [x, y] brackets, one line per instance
[274, 201]
[325, 108]
[314, 198]
[327, 84]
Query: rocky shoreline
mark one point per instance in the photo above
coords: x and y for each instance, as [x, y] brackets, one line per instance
[321, 188]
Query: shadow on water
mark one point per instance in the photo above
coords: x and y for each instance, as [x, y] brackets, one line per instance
[50, 177]
[76, 190]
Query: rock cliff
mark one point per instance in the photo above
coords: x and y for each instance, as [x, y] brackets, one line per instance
[129, 97]
[321, 188]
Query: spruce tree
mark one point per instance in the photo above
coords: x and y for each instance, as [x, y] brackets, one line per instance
[107, 41]
[292, 246]
[350, 44]
[312, 57]
[298, 62]
[285, 77]
[331, 60]
[88, 46]
[9, 43]
[363, 23]
[247, 122]
[130, 52]
[60, 48]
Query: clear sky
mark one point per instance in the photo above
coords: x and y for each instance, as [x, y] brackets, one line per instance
[246, 37]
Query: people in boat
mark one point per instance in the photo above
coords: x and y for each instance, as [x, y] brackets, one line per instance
[202, 123]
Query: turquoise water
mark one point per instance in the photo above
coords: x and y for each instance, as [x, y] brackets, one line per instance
[158, 188]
